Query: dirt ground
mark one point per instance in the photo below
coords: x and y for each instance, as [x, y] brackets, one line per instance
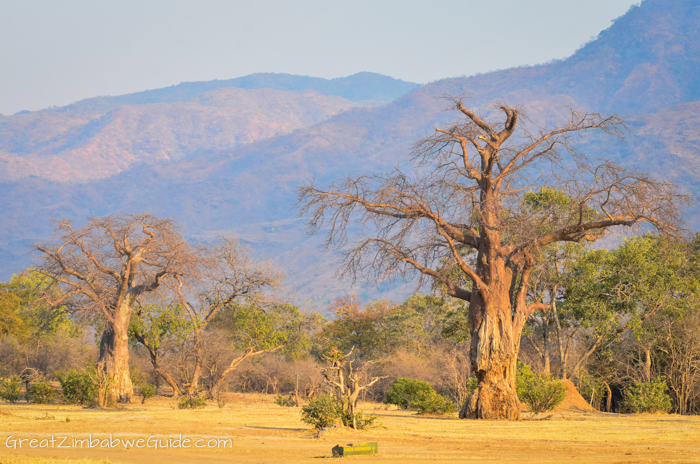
[262, 432]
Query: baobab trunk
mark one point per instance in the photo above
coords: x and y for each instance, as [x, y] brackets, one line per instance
[114, 355]
[494, 356]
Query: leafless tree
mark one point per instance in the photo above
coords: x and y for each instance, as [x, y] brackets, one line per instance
[102, 268]
[464, 208]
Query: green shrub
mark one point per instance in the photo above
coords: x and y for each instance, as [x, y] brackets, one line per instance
[402, 392]
[647, 397]
[357, 421]
[418, 396]
[322, 412]
[540, 392]
[327, 410]
[147, 391]
[78, 387]
[41, 393]
[361, 422]
[10, 389]
[137, 376]
[432, 403]
[191, 403]
[287, 401]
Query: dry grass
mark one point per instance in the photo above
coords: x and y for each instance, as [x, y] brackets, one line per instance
[264, 432]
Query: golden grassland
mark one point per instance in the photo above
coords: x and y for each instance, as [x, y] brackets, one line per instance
[262, 432]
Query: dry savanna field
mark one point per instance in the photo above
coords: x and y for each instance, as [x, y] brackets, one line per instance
[262, 432]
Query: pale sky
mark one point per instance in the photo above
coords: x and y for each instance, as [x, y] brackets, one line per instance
[57, 52]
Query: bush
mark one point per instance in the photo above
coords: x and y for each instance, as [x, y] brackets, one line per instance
[137, 376]
[147, 391]
[10, 389]
[472, 383]
[540, 392]
[287, 401]
[403, 391]
[41, 393]
[78, 387]
[322, 412]
[432, 403]
[419, 396]
[327, 410]
[361, 422]
[647, 397]
[191, 403]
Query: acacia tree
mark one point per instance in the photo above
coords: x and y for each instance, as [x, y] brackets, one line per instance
[101, 270]
[229, 277]
[464, 205]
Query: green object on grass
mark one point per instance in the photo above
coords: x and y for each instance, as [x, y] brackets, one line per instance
[355, 450]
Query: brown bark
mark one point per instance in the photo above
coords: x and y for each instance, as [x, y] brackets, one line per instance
[608, 401]
[495, 343]
[647, 364]
[160, 372]
[563, 351]
[216, 387]
[114, 355]
[547, 354]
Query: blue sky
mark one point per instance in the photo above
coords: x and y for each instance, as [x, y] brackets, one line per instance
[55, 53]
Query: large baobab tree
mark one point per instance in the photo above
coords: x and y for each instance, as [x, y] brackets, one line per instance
[101, 269]
[464, 208]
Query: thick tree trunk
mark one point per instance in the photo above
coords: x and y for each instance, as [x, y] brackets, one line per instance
[494, 356]
[170, 381]
[547, 362]
[647, 365]
[193, 386]
[114, 355]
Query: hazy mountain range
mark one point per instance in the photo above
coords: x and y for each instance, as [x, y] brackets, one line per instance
[224, 157]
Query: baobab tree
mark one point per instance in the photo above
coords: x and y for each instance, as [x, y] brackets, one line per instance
[102, 269]
[464, 208]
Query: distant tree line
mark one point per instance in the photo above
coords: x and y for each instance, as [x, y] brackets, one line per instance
[613, 321]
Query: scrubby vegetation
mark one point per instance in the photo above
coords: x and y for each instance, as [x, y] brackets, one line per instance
[192, 403]
[622, 324]
[540, 392]
[41, 393]
[10, 389]
[418, 396]
[321, 412]
[286, 400]
[146, 391]
[78, 387]
[327, 410]
[647, 397]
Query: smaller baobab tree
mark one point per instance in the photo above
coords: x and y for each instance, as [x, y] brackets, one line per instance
[102, 269]
[235, 287]
[463, 208]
